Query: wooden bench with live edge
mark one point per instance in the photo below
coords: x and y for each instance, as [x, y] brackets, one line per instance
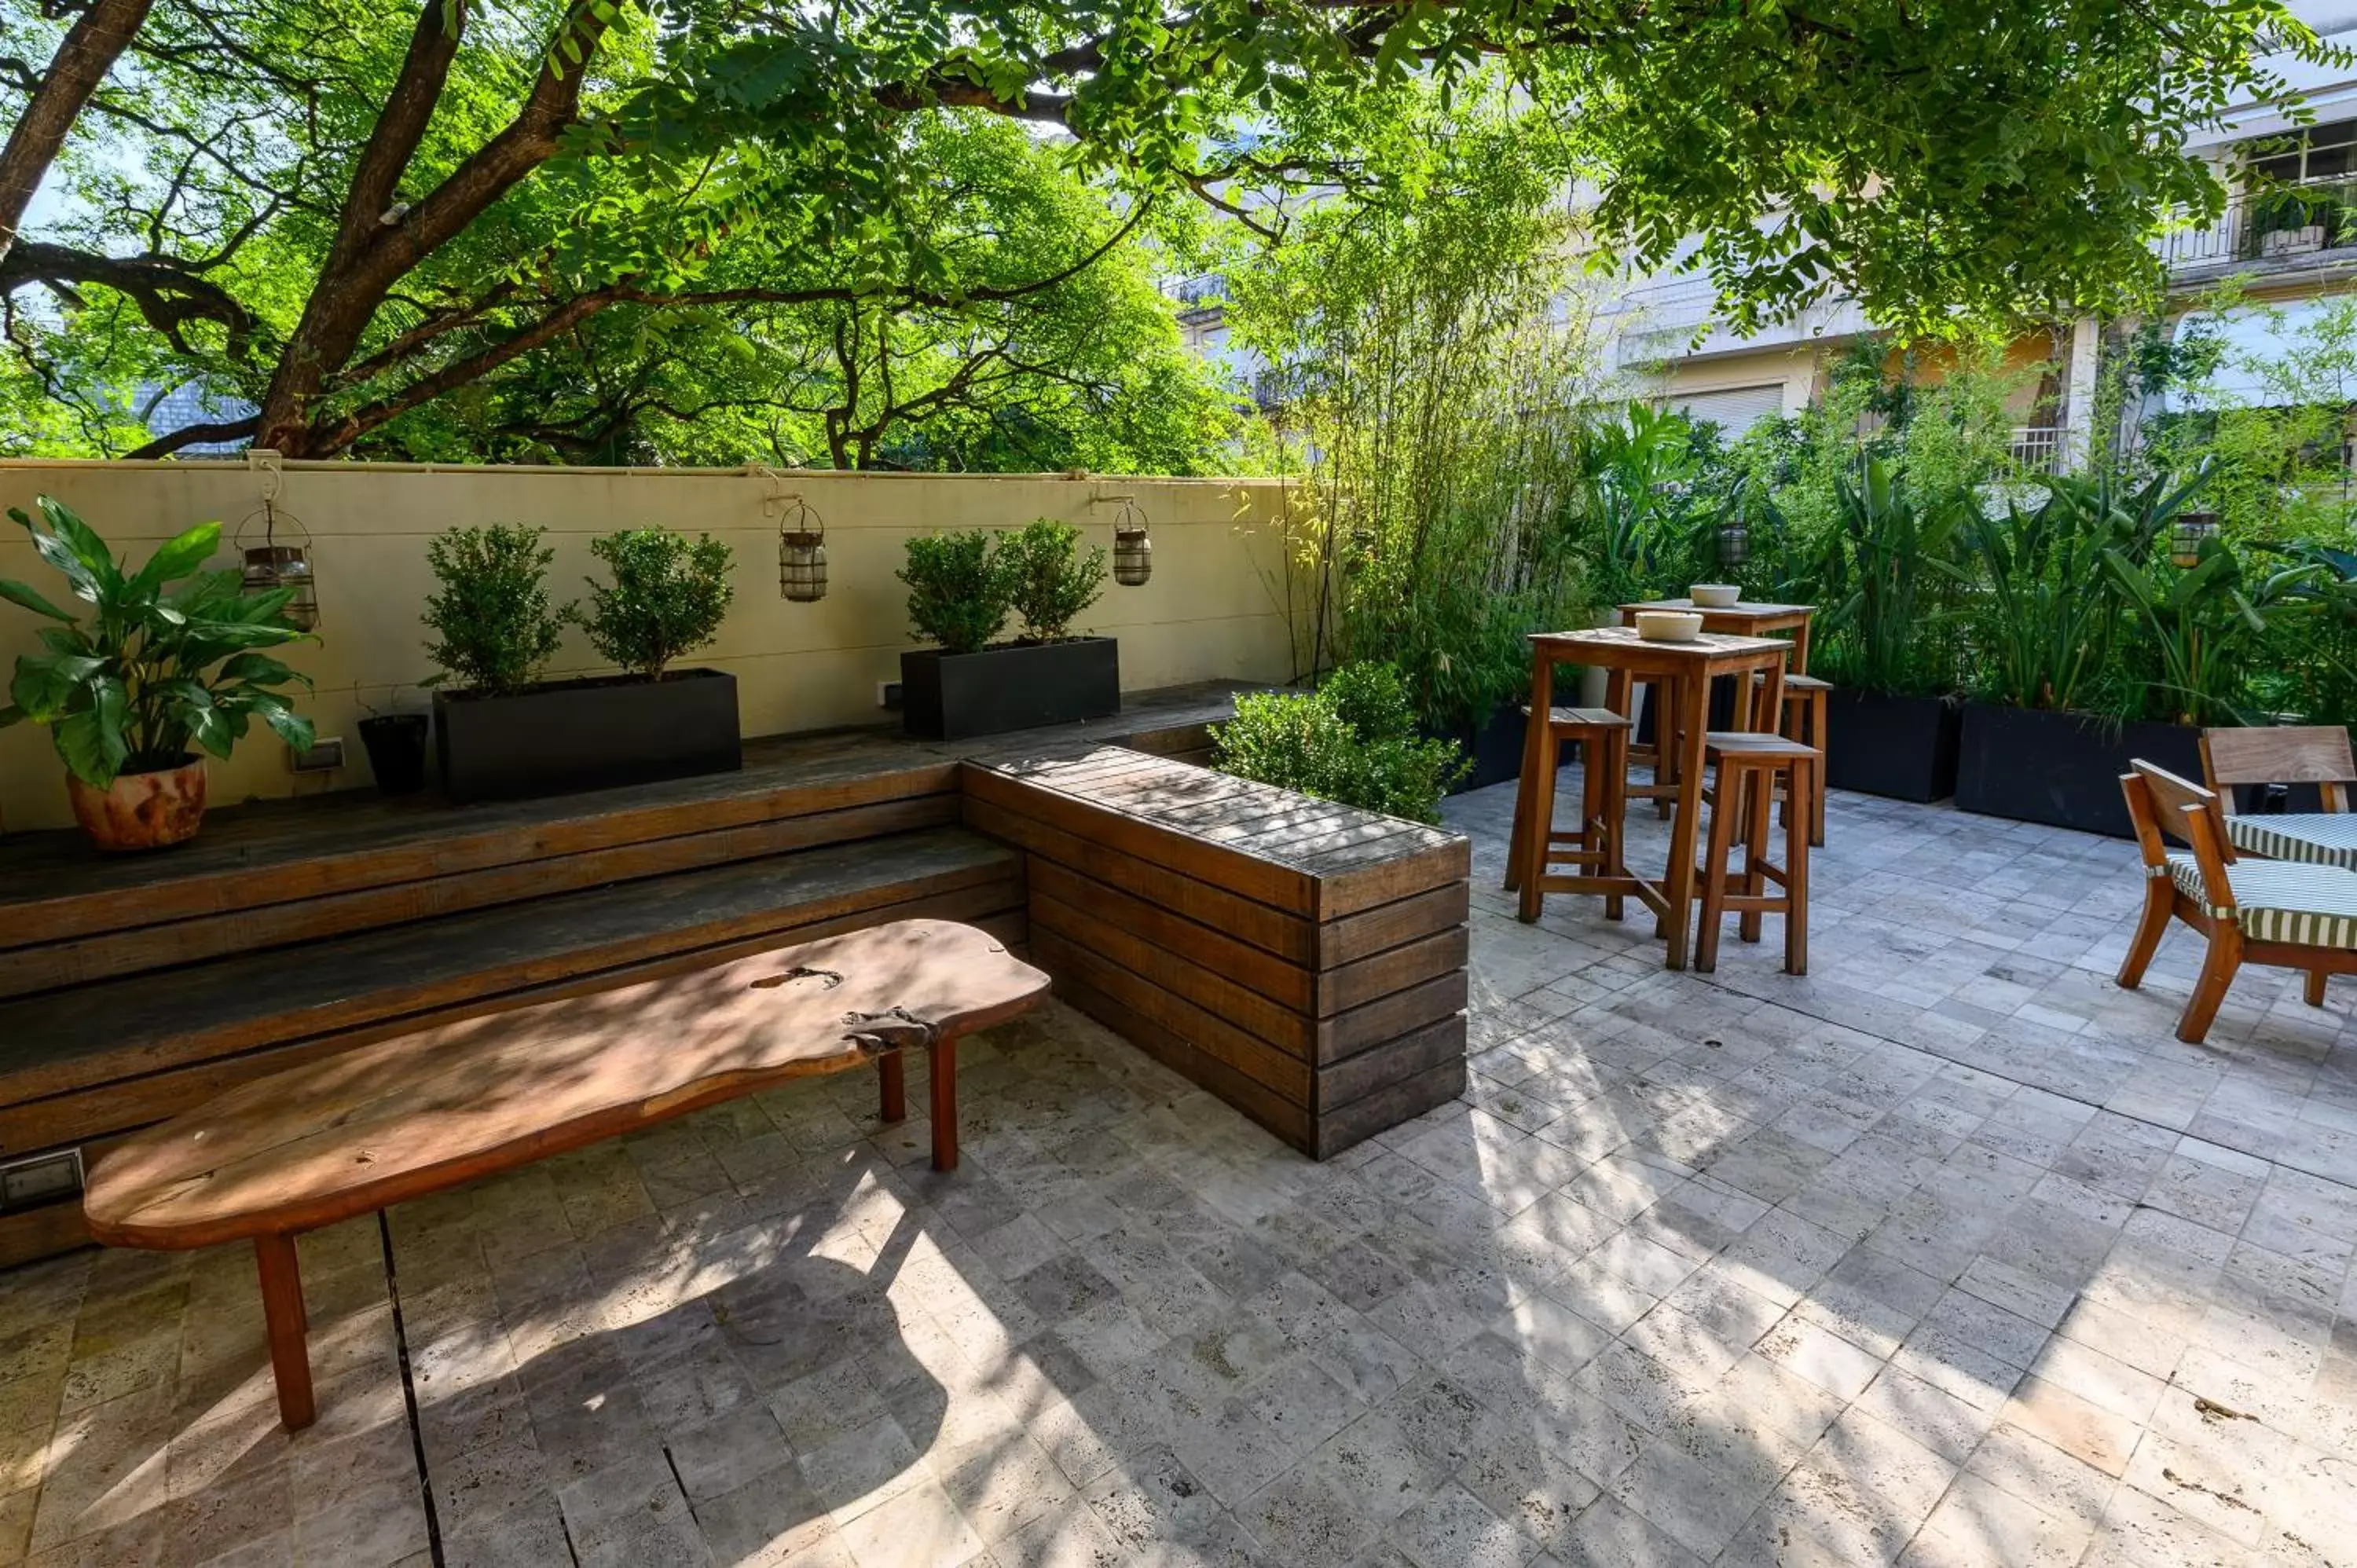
[1301, 960]
[378, 1124]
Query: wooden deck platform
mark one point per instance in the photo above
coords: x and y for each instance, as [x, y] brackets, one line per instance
[133, 988]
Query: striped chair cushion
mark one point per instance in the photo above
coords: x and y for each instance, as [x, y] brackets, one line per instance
[2318, 838]
[2280, 900]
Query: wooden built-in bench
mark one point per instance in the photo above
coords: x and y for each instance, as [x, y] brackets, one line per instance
[1302, 960]
[1297, 958]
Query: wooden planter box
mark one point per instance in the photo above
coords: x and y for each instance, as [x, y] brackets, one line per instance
[2062, 769]
[1903, 748]
[586, 734]
[1017, 685]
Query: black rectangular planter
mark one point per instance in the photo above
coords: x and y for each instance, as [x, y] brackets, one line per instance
[1493, 748]
[584, 735]
[1017, 685]
[2062, 769]
[1903, 748]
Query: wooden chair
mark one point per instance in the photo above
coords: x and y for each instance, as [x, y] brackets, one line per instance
[2283, 913]
[2285, 754]
[1595, 846]
[1745, 770]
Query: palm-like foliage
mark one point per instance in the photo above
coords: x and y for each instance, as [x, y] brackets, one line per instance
[1880, 570]
[152, 671]
[2205, 623]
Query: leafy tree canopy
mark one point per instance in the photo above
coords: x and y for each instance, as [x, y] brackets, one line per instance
[353, 209]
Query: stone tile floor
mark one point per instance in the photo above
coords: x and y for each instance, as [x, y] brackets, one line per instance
[1946, 1254]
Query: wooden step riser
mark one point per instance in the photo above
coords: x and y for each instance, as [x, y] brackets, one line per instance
[122, 1104]
[460, 849]
[163, 1050]
[24, 970]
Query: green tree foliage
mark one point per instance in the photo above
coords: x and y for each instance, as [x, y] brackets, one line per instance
[154, 671]
[1353, 740]
[1047, 579]
[668, 597]
[496, 627]
[351, 212]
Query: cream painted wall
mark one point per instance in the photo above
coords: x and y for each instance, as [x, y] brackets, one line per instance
[1210, 611]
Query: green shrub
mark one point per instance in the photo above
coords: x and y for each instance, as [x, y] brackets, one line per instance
[669, 596]
[1047, 579]
[958, 593]
[496, 626]
[1354, 740]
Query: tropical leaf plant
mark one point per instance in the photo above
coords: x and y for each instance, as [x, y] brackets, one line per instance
[2204, 624]
[151, 671]
[2047, 615]
[1881, 573]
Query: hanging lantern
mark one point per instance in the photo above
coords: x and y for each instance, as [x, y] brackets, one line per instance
[802, 551]
[2186, 537]
[277, 551]
[1734, 543]
[1133, 549]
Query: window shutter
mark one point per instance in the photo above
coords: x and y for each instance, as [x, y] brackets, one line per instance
[1733, 408]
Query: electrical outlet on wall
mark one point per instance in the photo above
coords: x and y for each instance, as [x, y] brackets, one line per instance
[327, 755]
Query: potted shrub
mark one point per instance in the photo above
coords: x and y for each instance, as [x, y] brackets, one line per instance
[502, 734]
[962, 587]
[1888, 730]
[155, 675]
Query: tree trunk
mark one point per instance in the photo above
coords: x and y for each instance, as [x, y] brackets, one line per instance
[91, 47]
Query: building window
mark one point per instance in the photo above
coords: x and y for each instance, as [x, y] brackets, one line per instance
[2320, 152]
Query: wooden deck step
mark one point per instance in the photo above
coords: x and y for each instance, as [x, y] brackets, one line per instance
[99, 1059]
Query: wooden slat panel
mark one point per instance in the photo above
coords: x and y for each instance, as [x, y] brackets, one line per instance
[99, 957]
[123, 1104]
[1398, 1101]
[1401, 1013]
[1355, 936]
[1346, 888]
[1276, 1073]
[1287, 936]
[1371, 1071]
[1289, 1122]
[1287, 984]
[1243, 1013]
[1371, 979]
[152, 1023]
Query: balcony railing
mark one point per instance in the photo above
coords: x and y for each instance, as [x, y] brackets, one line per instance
[2038, 448]
[2278, 223]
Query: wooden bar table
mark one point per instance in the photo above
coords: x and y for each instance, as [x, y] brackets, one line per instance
[1682, 672]
[1743, 619]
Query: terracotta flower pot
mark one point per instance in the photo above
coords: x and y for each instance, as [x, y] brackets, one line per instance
[141, 811]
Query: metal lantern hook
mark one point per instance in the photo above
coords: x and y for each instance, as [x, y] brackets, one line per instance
[801, 549]
[274, 551]
[1132, 545]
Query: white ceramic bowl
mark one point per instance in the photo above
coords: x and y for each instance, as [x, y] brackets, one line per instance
[1668, 625]
[1715, 596]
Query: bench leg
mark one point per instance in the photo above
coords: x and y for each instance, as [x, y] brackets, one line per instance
[941, 1064]
[283, 1315]
[894, 1079]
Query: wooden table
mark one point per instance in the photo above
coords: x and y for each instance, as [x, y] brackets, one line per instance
[1682, 672]
[382, 1124]
[1743, 619]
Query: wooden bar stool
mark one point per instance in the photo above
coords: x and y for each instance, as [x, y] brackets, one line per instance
[1803, 720]
[1594, 847]
[1745, 769]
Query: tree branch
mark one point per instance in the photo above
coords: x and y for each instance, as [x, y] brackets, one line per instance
[87, 53]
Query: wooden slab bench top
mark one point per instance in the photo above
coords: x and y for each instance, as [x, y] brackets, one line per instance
[374, 1126]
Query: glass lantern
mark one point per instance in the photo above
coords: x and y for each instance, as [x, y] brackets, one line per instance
[275, 549]
[1734, 543]
[802, 552]
[2186, 537]
[1133, 548]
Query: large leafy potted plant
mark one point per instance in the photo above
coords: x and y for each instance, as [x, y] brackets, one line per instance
[502, 733]
[1891, 729]
[155, 673]
[2056, 621]
[962, 588]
